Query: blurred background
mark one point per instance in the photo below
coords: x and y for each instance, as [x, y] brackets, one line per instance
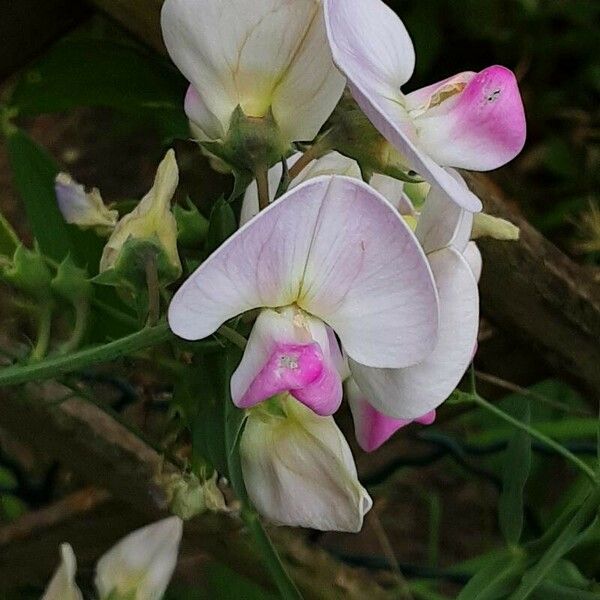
[70, 76]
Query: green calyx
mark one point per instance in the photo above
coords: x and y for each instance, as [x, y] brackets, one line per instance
[28, 272]
[192, 226]
[251, 143]
[71, 283]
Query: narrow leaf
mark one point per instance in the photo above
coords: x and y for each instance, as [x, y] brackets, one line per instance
[8, 238]
[516, 466]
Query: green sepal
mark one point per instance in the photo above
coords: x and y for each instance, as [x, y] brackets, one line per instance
[251, 143]
[71, 282]
[130, 268]
[192, 226]
[9, 241]
[28, 272]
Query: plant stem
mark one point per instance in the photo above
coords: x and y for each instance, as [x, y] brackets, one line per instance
[287, 588]
[153, 290]
[82, 311]
[43, 336]
[233, 336]
[53, 367]
[262, 184]
[537, 435]
[318, 149]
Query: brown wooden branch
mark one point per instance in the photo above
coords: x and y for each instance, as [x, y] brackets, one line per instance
[535, 292]
[105, 453]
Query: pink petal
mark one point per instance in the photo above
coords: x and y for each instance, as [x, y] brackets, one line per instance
[482, 128]
[372, 428]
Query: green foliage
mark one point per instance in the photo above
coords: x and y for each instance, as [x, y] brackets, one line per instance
[101, 72]
[8, 238]
[517, 463]
[222, 224]
[28, 272]
[72, 283]
[192, 226]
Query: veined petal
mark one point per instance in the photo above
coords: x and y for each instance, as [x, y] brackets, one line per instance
[63, 586]
[412, 392]
[371, 47]
[366, 278]
[299, 471]
[482, 128]
[311, 87]
[253, 53]
[338, 250]
[370, 44]
[288, 352]
[442, 222]
[140, 566]
[333, 163]
[372, 428]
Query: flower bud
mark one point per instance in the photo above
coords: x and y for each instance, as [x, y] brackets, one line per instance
[188, 496]
[485, 225]
[28, 272]
[298, 469]
[63, 586]
[81, 208]
[150, 227]
[140, 566]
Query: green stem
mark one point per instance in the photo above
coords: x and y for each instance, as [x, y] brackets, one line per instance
[262, 185]
[43, 336]
[318, 149]
[233, 336]
[153, 290]
[534, 433]
[287, 588]
[82, 311]
[53, 367]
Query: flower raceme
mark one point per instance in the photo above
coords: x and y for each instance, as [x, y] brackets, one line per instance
[331, 255]
[471, 120]
[139, 567]
[298, 469]
[265, 58]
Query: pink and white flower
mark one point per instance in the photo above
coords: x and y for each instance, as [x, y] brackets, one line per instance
[332, 255]
[471, 120]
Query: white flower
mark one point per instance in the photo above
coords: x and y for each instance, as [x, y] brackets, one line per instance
[81, 208]
[63, 586]
[299, 471]
[140, 566]
[261, 55]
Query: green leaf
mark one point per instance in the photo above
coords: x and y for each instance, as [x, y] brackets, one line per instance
[72, 283]
[222, 224]
[192, 226]
[225, 584]
[497, 579]
[34, 172]
[8, 238]
[517, 463]
[92, 72]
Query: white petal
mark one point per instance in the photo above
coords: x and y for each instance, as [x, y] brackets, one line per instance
[366, 278]
[330, 164]
[473, 257]
[339, 251]
[141, 563]
[63, 586]
[442, 222]
[370, 44]
[255, 53]
[299, 471]
[205, 126]
[412, 392]
[393, 189]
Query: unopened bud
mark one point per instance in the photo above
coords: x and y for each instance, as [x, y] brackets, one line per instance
[485, 225]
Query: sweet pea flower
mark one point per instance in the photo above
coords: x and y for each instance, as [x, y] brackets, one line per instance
[471, 120]
[443, 229]
[299, 471]
[263, 56]
[62, 585]
[141, 565]
[81, 208]
[151, 220]
[330, 254]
